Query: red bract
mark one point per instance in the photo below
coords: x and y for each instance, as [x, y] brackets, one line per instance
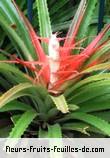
[71, 65]
[65, 67]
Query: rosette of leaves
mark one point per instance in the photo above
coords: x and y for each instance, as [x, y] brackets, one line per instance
[54, 86]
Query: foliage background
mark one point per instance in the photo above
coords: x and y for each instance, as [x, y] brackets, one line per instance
[61, 14]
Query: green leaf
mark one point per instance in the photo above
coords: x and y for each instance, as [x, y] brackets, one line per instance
[54, 131]
[22, 124]
[90, 119]
[102, 66]
[86, 81]
[90, 91]
[15, 105]
[80, 127]
[43, 133]
[44, 21]
[73, 107]
[58, 5]
[104, 51]
[60, 103]
[105, 115]
[91, 106]
[15, 118]
[18, 40]
[14, 93]
[63, 16]
[52, 113]
[35, 92]
[4, 83]
[91, 5]
[92, 32]
[61, 26]
[10, 17]
[75, 23]
[19, 75]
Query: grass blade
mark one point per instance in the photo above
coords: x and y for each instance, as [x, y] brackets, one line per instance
[22, 124]
[44, 21]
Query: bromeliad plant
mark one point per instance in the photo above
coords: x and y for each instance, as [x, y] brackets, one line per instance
[55, 85]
